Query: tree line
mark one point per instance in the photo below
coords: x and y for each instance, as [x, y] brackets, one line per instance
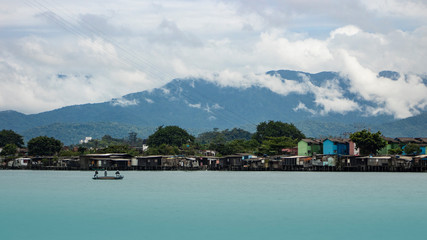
[270, 138]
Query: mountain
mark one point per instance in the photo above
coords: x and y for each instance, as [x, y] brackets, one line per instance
[200, 105]
[413, 127]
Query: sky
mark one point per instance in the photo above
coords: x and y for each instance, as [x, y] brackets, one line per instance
[60, 53]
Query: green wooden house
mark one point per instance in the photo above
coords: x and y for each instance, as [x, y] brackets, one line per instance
[307, 147]
[391, 144]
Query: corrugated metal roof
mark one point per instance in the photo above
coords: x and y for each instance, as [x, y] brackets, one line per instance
[314, 141]
[388, 139]
[424, 140]
[407, 140]
[338, 140]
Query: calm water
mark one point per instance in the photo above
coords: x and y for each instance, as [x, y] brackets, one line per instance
[213, 205]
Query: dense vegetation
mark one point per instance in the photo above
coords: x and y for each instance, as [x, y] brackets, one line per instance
[170, 135]
[412, 149]
[72, 133]
[269, 129]
[368, 143]
[44, 146]
[270, 138]
[107, 140]
[223, 136]
[10, 137]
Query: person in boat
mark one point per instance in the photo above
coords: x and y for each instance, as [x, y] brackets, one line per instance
[96, 173]
[117, 173]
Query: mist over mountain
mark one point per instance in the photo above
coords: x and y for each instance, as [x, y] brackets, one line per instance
[319, 104]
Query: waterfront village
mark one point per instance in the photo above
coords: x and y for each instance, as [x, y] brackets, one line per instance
[330, 154]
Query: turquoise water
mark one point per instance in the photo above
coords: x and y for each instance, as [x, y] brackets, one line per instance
[213, 205]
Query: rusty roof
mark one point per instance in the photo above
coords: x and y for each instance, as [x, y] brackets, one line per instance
[407, 140]
[423, 140]
[388, 139]
[312, 141]
[338, 140]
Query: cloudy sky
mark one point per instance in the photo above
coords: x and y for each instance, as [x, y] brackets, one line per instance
[60, 53]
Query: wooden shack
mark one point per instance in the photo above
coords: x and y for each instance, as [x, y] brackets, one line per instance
[189, 163]
[233, 162]
[208, 162]
[119, 161]
[353, 163]
[153, 162]
[295, 162]
[253, 164]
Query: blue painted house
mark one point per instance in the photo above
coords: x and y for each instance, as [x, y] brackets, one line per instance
[406, 140]
[335, 146]
[423, 144]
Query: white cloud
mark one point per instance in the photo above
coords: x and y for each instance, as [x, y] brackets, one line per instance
[401, 98]
[108, 49]
[329, 96]
[197, 105]
[165, 91]
[301, 106]
[149, 100]
[400, 8]
[278, 51]
[349, 30]
[123, 102]
[216, 106]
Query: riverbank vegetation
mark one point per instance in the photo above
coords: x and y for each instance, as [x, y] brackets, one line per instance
[271, 138]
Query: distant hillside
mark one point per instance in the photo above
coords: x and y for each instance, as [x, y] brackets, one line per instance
[200, 106]
[410, 127]
[319, 129]
[72, 133]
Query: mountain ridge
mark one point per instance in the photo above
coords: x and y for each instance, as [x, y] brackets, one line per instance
[194, 104]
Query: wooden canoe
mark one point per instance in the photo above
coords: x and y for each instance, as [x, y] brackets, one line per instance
[108, 177]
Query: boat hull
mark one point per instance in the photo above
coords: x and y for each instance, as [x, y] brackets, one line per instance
[108, 178]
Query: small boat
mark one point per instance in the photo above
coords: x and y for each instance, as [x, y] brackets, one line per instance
[105, 177]
[108, 177]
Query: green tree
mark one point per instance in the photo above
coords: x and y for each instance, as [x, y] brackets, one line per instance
[251, 145]
[163, 149]
[236, 134]
[210, 137]
[277, 129]
[44, 146]
[237, 146]
[225, 136]
[10, 137]
[68, 153]
[170, 135]
[121, 148]
[9, 150]
[132, 138]
[274, 145]
[222, 148]
[367, 142]
[81, 149]
[412, 149]
[395, 151]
